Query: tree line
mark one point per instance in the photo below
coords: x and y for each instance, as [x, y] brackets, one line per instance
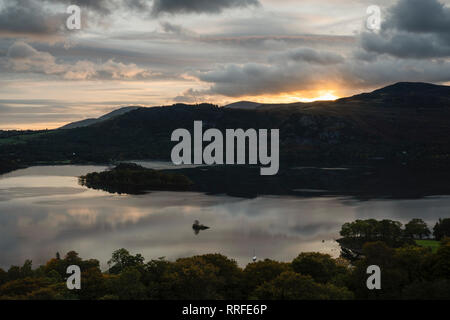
[389, 230]
[408, 272]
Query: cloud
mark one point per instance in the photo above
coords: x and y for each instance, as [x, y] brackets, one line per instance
[103, 7]
[413, 29]
[157, 7]
[406, 45]
[380, 72]
[259, 79]
[311, 56]
[48, 17]
[271, 40]
[25, 112]
[28, 17]
[295, 70]
[176, 29]
[430, 16]
[22, 57]
[303, 70]
[190, 96]
[198, 6]
[110, 70]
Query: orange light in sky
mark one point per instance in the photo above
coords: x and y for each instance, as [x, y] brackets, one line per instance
[321, 95]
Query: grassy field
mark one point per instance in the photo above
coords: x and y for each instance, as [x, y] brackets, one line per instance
[433, 244]
[20, 139]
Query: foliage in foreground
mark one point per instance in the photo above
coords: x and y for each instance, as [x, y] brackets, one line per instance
[407, 273]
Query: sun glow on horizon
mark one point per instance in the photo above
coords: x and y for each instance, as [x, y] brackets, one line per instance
[327, 96]
[322, 95]
[90, 107]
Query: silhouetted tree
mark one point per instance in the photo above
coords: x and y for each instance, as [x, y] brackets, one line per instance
[442, 229]
[417, 228]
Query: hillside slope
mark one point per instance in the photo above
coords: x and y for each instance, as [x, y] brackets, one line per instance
[407, 123]
[91, 121]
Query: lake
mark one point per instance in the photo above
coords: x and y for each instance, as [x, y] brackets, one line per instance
[43, 210]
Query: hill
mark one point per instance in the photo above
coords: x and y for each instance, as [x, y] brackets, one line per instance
[91, 121]
[246, 105]
[405, 95]
[402, 124]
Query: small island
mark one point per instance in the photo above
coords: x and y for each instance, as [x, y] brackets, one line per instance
[131, 178]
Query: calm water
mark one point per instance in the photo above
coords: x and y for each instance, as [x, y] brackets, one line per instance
[43, 210]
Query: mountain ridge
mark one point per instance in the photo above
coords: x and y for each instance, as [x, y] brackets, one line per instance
[401, 94]
[355, 130]
[405, 94]
[248, 105]
[91, 121]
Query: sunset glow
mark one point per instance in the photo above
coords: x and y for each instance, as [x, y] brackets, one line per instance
[328, 96]
[268, 52]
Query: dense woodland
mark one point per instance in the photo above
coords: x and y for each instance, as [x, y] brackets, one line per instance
[408, 272]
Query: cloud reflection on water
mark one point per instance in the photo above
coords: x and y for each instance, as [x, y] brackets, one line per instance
[43, 210]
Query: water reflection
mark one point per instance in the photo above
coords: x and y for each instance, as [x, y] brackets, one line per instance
[43, 210]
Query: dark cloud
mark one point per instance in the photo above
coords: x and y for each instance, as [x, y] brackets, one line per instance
[406, 45]
[298, 70]
[419, 16]
[302, 72]
[413, 29]
[29, 17]
[258, 79]
[140, 5]
[311, 56]
[157, 7]
[47, 17]
[176, 29]
[106, 7]
[100, 6]
[198, 6]
[44, 18]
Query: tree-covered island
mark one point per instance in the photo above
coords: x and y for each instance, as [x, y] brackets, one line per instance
[134, 179]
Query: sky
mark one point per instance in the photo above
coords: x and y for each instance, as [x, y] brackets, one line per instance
[160, 52]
